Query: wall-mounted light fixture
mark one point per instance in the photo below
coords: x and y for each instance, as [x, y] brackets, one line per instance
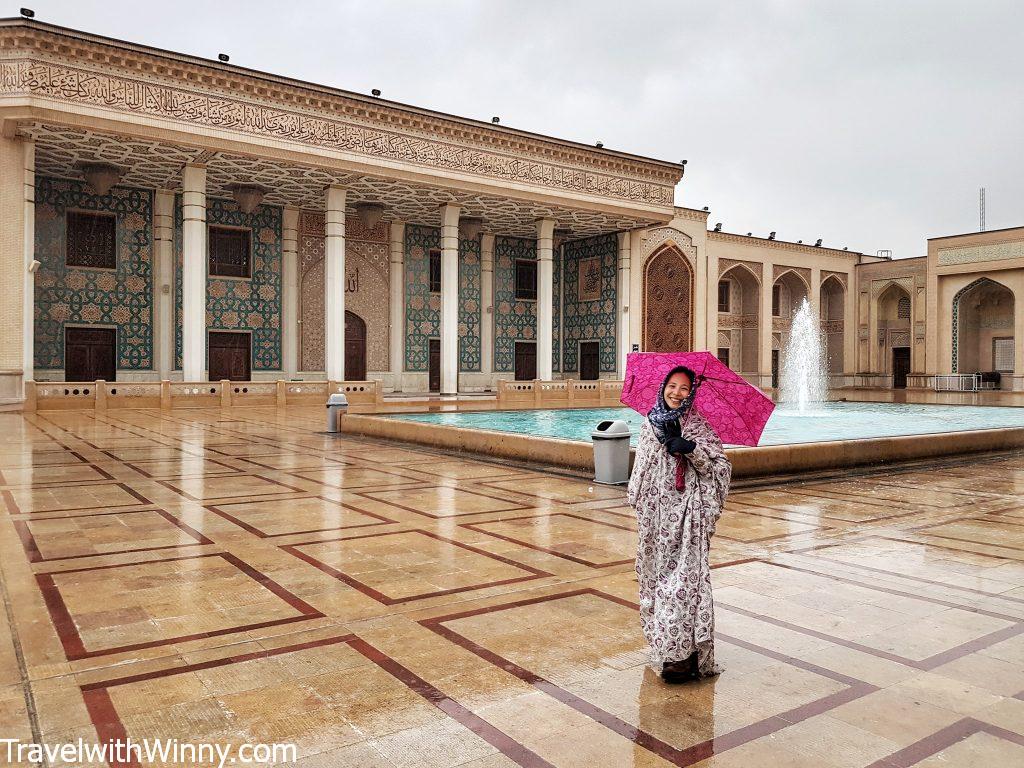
[369, 214]
[100, 176]
[247, 196]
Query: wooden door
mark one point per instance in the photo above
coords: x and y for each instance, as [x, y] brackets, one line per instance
[526, 360]
[90, 354]
[230, 356]
[900, 367]
[355, 347]
[434, 365]
[590, 363]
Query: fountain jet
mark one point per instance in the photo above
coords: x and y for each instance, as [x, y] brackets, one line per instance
[803, 362]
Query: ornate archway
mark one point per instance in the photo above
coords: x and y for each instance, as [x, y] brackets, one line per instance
[983, 328]
[668, 301]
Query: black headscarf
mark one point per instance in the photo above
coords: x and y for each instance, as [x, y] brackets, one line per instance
[665, 420]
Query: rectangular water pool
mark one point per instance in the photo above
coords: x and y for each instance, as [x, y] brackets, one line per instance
[824, 421]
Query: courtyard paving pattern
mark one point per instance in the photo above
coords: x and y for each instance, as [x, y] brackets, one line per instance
[238, 576]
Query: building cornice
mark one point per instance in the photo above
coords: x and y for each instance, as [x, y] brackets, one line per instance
[51, 63]
[784, 245]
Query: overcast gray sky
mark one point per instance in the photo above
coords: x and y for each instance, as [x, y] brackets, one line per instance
[869, 124]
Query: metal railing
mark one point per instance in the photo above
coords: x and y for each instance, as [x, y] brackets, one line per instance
[957, 382]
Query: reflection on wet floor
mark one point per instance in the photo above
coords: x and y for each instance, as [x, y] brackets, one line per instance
[240, 577]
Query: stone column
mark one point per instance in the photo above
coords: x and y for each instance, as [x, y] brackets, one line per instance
[622, 295]
[290, 292]
[163, 283]
[711, 297]
[850, 324]
[487, 303]
[636, 289]
[449, 299]
[545, 296]
[193, 274]
[28, 246]
[765, 324]
[334, 283]
[396, 341]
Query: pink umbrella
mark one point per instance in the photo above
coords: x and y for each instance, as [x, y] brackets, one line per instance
[734, 408]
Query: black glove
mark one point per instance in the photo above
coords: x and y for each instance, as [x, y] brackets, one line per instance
[679, 445]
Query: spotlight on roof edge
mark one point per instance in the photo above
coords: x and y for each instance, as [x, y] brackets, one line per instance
[495, 119]
[771, 235]
[704, 208]
[224, 57]
[600, 144]
[818, 244]
[28, 13]
[375, 92]
[718, 227]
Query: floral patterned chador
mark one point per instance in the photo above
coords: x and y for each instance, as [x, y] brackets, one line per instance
[674, 535]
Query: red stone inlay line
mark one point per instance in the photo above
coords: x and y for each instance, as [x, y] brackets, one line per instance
[923, 530]
[848, 519]
[920, 579]
[876, 501]
[371, 495]
[14, 509]
[288, 488]
[681, 757]
[492, 485]
[227, 468]
[109, 727]
[943, 739]
[937, 660]
[565, 556]
[74, 647]
[28, 540]
[292, 549]
[217, 509]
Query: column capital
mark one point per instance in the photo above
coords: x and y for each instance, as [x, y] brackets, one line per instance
[545, 229]
[450, 213]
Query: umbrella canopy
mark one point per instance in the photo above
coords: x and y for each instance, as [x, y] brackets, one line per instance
[734, 408]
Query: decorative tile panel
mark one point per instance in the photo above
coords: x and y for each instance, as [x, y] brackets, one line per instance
[367, 288]
[1013, 249]
[556, 309]
[422, 308]
[590, 319]
[122, 297]
[469, 304]
[240, 304]
[514, 320]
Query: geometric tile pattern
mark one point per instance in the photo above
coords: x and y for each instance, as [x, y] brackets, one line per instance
[422, 308]
[238, 576]
[514, 319]
[81, 296]
[590, 320]
[247, 304]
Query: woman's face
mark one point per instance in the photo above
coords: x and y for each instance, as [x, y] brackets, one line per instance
[677, 390]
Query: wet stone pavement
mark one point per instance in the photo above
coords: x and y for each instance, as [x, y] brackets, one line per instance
[238, 577]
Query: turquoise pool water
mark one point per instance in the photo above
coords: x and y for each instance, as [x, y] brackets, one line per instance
[827, 421]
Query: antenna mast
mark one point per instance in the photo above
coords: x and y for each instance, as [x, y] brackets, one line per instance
[981, 209]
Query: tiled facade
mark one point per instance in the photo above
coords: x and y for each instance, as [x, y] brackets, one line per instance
[77, 296]
[590, 309]
[514, 319]
[242, 304]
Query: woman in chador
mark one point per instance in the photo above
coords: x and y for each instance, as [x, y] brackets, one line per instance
[678, 487]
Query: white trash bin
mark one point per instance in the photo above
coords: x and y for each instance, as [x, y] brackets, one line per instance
[337, 406]
[611, 452]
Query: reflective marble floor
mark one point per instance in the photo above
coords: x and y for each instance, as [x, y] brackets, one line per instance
[240, 577]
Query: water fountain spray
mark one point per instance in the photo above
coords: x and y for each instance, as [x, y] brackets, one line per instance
[804, 379]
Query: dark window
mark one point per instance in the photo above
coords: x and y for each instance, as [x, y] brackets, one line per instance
[526, 280]
[776, 300]
[229, 252]
[92, 240]
[903, 308]
[723, 296]
[723, 355]
[435, 271]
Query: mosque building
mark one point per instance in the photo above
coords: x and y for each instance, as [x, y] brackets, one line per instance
[170, 218]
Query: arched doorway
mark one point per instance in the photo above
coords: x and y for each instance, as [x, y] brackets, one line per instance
[668, 302]
[739, 303]
[355, 347]
[832, 306]
[983, 321]
[894, 317]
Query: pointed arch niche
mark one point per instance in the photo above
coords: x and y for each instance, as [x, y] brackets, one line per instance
[668, 301]
[739, 326]
[983, 328]
[832, 308]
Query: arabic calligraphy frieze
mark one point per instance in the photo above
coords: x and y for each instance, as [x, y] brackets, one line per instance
[152, 98]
